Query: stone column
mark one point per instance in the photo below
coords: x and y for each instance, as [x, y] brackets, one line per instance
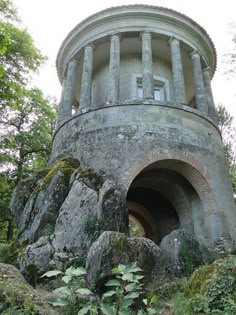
[114, 68]
[201, 100]
[147, 66]
[86, 84]
[67, 94]
[210, 100]
[177, 71]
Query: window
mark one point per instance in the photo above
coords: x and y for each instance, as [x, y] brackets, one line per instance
[159, 90]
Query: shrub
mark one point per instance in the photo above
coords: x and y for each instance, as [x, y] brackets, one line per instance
[120, 298]
[210, 290]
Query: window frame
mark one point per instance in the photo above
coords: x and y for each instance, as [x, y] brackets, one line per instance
[159, 82]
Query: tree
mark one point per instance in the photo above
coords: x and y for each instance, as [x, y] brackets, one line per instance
[226, 124]
[26, 115]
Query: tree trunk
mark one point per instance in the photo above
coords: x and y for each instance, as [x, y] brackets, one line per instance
[10, 230]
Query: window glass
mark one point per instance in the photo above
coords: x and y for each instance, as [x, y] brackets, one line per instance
[159, 90]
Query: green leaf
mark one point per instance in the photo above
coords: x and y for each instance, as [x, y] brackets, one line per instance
[140, 312]
[132, 295]
[154, 299]
[59, 302]
[84, 310]
[62, 290]
[79, 271]
[126, 304]
[51, 273]
[125, 312]
[128, 277]
[132, 286]
[84, 291]
[108, 294]
[67, 279]
[132, 267]
[107, 309]
[113, 283]
[145, 302]
[69, 270]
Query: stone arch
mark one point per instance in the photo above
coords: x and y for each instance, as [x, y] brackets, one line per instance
[184, 182]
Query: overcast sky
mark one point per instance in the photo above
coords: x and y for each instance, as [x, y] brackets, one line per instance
[49, 21]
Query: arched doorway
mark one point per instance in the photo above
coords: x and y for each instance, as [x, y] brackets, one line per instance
[162, 199]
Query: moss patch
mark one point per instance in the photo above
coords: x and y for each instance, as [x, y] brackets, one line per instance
[16, 298]
[11, 251]
[67, 165]
[210, 290]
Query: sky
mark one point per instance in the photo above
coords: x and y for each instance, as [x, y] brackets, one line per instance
[49, 21]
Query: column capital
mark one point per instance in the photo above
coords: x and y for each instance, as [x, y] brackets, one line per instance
[207, 69]
[90, 46]
[173, 39]
[194, 54]
[116, 35]
[145, 33]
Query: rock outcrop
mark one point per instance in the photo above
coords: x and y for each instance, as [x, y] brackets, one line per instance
[182, 252]
[65, 212]
[112, 249]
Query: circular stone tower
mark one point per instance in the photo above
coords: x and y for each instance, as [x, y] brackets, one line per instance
[137, 106]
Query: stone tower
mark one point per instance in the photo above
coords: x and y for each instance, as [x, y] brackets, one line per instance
[137, 106]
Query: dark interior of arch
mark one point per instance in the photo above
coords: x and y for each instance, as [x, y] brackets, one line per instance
[158, 217]
[162, 200]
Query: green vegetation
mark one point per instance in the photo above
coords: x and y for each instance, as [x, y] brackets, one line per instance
[124, 294]
[16, 298]
[226, 124]
[11, 251]
[26, 115]
[135, 229]
[210, 290]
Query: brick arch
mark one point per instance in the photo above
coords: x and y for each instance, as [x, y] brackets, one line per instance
[196, 175]
[191, 169]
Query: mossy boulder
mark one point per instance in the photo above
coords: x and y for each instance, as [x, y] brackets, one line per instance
[43, 200]
[17, 296]
[113, 248]
[93, 205]
[182, 252]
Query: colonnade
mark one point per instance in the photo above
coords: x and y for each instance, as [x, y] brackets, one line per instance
[201, 77]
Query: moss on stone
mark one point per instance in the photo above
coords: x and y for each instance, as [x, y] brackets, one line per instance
[67, 166]
[120, 244]
[87, 173]
[198, 280]
[16, 297]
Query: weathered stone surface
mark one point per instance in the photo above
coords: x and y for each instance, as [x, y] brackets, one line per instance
[36, 217]
[36, 259]
[22, 193]
[13, 284]
[113, 248]
[182, 252]
[90, 208]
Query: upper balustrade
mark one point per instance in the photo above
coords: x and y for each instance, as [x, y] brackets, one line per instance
[136, 52]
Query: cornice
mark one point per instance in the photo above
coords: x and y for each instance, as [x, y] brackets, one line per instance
[68, 46]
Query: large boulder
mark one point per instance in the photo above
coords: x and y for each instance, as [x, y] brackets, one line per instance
[182, 252]
[66, 212]
[18, 297]
[92, 206]
[36, 259]
[22, 193]
[113, 248]
[36, 214]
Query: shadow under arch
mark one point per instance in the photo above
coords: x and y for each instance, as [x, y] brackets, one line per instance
[172, 193]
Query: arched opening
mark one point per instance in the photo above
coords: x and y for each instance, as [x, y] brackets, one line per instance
[162, 199]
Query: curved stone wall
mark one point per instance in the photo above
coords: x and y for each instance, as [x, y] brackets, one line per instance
[122, 140]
